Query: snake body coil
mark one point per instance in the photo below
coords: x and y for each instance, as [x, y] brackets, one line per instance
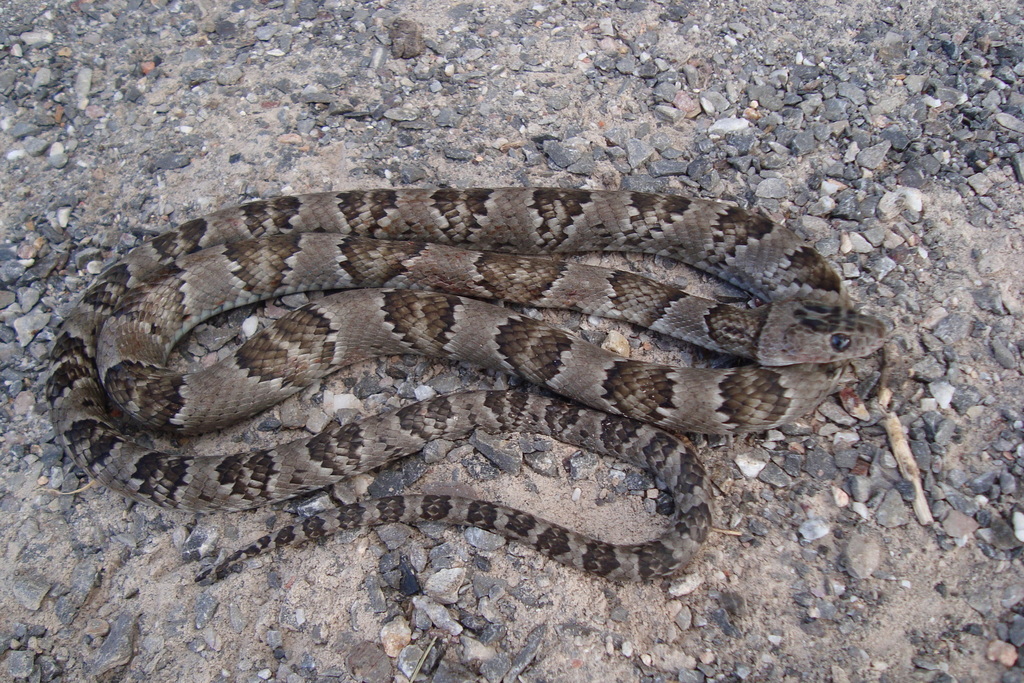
[108, 359]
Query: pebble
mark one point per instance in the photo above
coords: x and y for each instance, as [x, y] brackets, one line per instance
[943, 393]
[1010, 122]
[492, 448]
[959, 525]
[750, 465]
[616, 342]
[1001, 652]
[863, 556]
[483, 540]
[892, 512]
[728, 125]
[685, 585]
[20, 663]
[29, 591]
[872, 157]
[814, 528]
[29, 326]
[395, 636]
[444, 584]
[772, 188]
[437, 614]
[117, 648]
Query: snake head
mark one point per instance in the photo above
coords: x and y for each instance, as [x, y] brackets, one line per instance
[809, 332]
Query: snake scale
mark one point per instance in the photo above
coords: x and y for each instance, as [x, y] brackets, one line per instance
[382, 246]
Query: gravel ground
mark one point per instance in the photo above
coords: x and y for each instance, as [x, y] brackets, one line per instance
[892, 136]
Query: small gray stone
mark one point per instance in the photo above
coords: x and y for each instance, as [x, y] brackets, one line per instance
[36, 147]
[952, 328]
[863, 556]
[29, 591]
[1004, 355]
[200, 543]
[406, 39]
[803, 143]
[1000, 534]
[229, 76]
[861, 488]
[581, 465]
[526, 655]
[23, 129]
[265, 32]
[393, 536]
[20, 663]
[495, 668]
[637, 152]
[458, 153]
[691, 676]
[873, 156]
[684, 618]
[1010, 122]
[401, 114]
[561, 155]
[773, 474]
[959, 525]
[772, 188]
[728, 125]
[980, 183]
[206, 607]
[437, 614]
[1017, 630]
[558, 101]
[851, 92]
[117, 647]
[813, 529]
[484, 540]
[665, 167]
[168, 162]
[542, 462]
[444, 584]
[492, 448]
[892, 512]
[42, 78]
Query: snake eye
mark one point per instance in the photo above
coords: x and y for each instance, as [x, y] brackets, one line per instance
[840, 342]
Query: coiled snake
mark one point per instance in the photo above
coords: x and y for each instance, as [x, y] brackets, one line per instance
[109, 356]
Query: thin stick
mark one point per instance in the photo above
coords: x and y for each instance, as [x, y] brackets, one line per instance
[423, 659]
[908, 466]
[92, 482]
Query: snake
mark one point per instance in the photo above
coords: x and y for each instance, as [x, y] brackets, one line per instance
[412, 271]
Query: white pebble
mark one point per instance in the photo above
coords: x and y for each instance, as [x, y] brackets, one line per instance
[346, 401]
[423, 392]
[943, 393]
[249, 326]
[840, 497]
[1018, 525]
[749, 465]
[814, 528]
[685, 584]
[913, 199]
[616, 343]
[728, 125]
